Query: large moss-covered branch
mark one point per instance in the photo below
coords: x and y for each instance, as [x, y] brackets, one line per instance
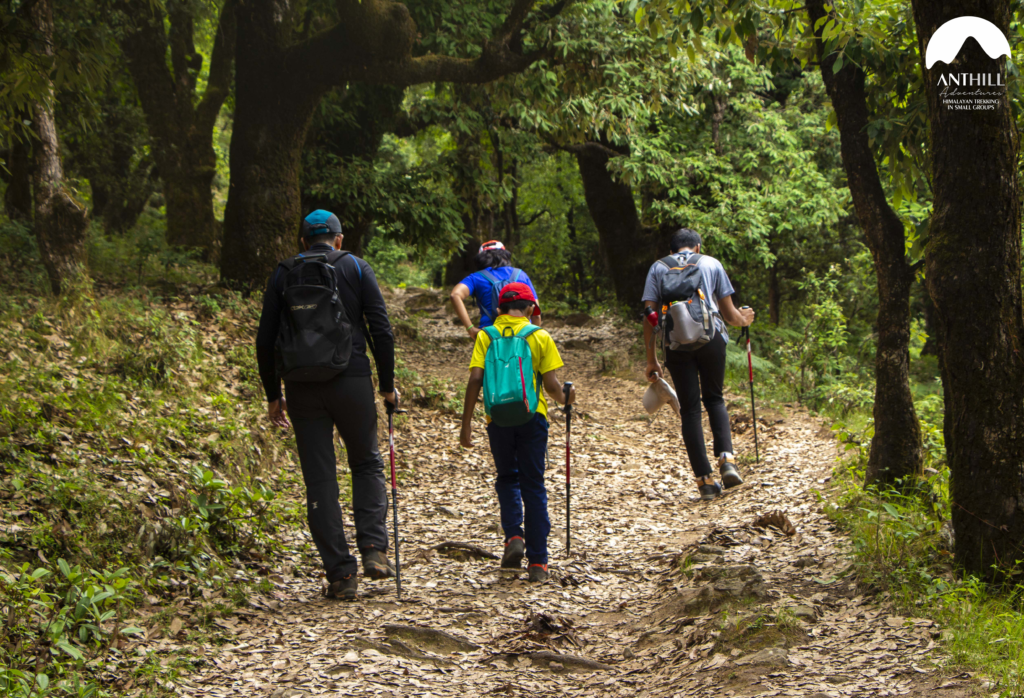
[373, 42]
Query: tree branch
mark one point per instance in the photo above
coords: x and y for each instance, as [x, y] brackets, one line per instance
[373, 40]
[183, 47]
[145, 45]
[591, 147]
[220, 69]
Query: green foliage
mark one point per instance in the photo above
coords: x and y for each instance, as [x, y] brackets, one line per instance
[57, 621]
[132, 460]
[401, 265]
[898, 547]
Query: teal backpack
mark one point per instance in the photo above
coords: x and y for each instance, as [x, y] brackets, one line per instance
[510, 396]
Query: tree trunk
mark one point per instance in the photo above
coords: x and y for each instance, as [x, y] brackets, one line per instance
[896, 450]
[266, 147]
[189, 197]
[629, 247]
[974, 251]
[18, 196]
[59, 221]
[181, 128]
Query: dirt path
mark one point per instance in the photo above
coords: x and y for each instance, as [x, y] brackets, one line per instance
[663, 595]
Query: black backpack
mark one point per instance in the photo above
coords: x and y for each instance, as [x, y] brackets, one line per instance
[689, 319]
[314, 342]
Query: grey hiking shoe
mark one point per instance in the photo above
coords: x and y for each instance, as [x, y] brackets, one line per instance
[709, 492]
[539, 573]
[515, 548]
[376, 565]
[344, 588]
[727, 469]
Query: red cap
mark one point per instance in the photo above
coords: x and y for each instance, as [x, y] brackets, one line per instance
[518, 292]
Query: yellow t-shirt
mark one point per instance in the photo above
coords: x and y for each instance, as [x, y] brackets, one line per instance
[542, 347]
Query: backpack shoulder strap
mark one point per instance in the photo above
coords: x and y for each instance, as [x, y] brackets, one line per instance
[694, 258]
[671, 262]
[515, 275]
[492, 332]
[333, 257]
[486, 273]
[527, 330]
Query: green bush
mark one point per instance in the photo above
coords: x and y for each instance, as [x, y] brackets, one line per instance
[57, 620]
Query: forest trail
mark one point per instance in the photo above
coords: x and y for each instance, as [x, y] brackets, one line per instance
[663, 595]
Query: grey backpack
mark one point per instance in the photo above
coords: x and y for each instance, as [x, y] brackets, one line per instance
[689, 318]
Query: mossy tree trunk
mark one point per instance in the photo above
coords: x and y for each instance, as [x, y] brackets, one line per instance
[896, 451]
[180, 124]
[279, 82]
[973, 268]
[626, 243]
[59, 221]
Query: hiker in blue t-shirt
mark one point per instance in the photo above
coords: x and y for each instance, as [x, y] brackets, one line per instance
[496, 270]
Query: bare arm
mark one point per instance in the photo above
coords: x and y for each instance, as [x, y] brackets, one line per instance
[476, 382]
[732, 315]
[459, 294]
[554, 388]
[653, 370]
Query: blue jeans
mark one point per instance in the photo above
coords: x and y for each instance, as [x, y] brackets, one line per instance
[519, 457]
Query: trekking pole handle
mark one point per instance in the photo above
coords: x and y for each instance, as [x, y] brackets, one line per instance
[392, 407]
[566, 390]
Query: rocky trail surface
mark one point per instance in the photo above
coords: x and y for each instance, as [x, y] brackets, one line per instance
[662, 594]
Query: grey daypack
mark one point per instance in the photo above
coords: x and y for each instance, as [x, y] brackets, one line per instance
[689, 318]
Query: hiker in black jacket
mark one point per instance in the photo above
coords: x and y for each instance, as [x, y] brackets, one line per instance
[346, 402]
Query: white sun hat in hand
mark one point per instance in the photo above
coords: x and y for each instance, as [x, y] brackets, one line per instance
[660, 393]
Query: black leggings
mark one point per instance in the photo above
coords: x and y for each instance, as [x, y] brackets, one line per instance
[707, 364]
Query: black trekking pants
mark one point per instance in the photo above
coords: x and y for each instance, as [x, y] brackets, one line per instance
[700, 375]
[315, 409]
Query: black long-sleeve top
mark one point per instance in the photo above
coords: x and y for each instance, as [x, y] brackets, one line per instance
[365, 308]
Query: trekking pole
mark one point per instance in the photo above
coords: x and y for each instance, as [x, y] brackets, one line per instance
[753, 408]
[392, 409]
[568, 470]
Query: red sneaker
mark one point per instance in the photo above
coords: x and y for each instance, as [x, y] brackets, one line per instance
[538, 573]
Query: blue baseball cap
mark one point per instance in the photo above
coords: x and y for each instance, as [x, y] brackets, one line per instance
[320, 222]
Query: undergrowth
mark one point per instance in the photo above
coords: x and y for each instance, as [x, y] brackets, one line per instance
[901, 541]
[136, 470]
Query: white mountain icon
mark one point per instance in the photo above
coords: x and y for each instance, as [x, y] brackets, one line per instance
[946, 41]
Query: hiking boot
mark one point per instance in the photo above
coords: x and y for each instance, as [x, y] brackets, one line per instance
[376, 565]
[538, 573]
[515, 547]
[727, 469]
[344, 588]
[709, 492]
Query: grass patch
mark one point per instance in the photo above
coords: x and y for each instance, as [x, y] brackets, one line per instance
[900, 547]
[751, 633]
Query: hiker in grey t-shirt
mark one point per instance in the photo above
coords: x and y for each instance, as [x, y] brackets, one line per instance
[699, 374]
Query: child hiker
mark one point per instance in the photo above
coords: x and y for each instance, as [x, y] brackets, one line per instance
[511, 359]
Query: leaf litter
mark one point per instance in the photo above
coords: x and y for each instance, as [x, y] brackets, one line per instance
[629, 613]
